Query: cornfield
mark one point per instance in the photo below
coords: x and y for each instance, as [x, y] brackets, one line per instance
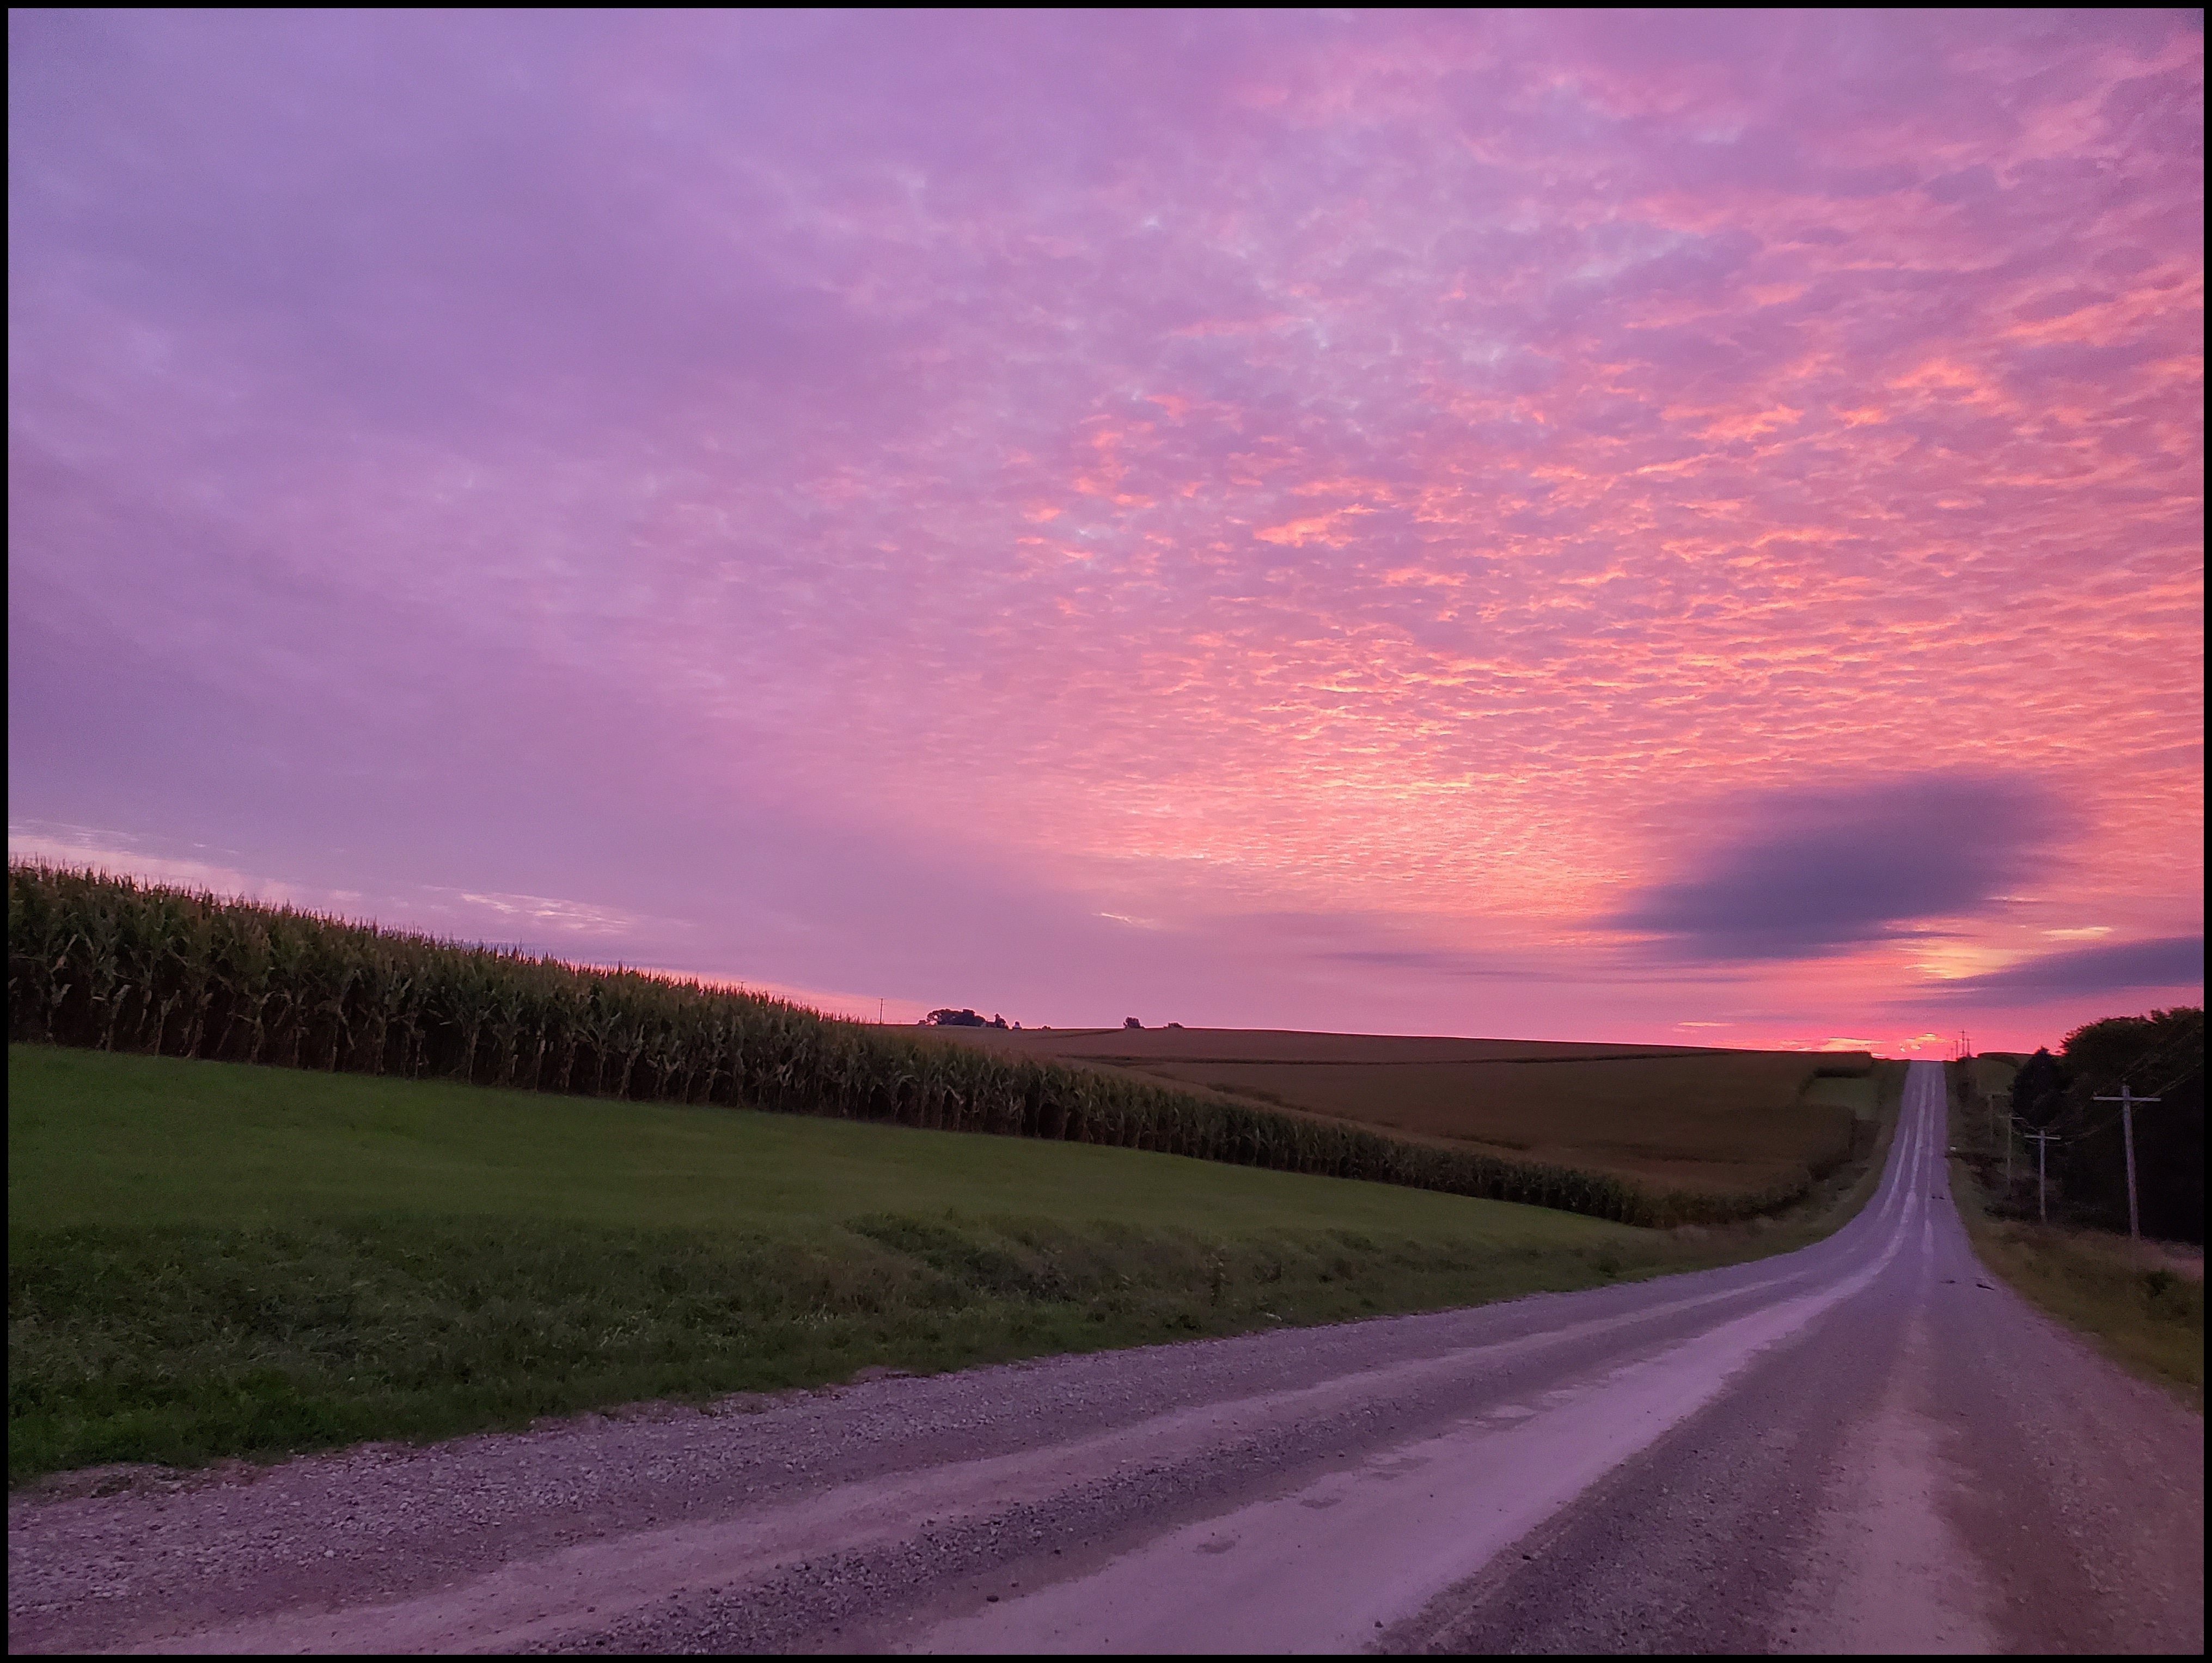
[105, 962]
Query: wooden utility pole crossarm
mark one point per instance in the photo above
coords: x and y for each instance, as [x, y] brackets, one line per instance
[2043, 1143]
[2127, 1103]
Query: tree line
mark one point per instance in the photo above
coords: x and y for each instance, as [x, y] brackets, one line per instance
[2159, 1054]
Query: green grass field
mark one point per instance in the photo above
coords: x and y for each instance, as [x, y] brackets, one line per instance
[1671, 1117]
[106, 1140]
[209, 1260]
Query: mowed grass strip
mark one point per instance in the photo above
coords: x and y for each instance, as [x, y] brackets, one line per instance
[209, 1260]
[98, 1138]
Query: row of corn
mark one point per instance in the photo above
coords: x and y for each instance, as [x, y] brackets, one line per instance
[105, 962]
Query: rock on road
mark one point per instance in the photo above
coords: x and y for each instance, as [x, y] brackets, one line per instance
[1864, 1446]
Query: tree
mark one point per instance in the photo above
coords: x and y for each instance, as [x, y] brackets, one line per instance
[2039, 1091]
[1131, 1021]
[2160, 1054]
[963, 1019]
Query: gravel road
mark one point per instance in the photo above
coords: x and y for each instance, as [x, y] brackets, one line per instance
[1861, 1447]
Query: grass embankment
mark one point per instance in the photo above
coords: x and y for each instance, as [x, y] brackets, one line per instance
[209, 1260]
[2146, 1313]
[1752, 1129]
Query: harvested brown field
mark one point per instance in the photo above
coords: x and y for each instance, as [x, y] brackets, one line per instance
[1680, 1116]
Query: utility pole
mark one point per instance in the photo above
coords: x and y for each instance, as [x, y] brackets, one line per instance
[2043, 1143]
[2128, 1130]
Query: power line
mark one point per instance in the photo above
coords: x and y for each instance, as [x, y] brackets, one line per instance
[2179, 1042]
[2180, 1079]
[2162, 1054]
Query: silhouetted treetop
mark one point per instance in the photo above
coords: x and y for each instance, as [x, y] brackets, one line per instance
[2038, 1090]
[959, 1019]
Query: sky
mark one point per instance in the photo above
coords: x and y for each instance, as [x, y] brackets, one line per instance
[1658, 527]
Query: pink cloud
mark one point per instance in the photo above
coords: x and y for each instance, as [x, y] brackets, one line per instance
[1189, 468]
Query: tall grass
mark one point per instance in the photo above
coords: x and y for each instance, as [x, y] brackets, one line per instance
[105, 963]
[184, 1343]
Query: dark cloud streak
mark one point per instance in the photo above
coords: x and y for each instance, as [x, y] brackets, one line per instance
[1810, 876]
[2169, 961]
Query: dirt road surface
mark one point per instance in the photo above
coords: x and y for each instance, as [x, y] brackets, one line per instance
[1863, 1447]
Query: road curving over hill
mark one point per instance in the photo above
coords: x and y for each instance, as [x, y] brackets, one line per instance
[1864, 1446]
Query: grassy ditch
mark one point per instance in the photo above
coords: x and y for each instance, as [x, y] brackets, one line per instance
[207, 1259]
[2144, 1313]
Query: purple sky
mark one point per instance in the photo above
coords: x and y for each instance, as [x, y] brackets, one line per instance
[1608, 526]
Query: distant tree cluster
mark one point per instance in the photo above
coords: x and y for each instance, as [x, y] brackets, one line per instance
[960, 1019]
[2161, 1055]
